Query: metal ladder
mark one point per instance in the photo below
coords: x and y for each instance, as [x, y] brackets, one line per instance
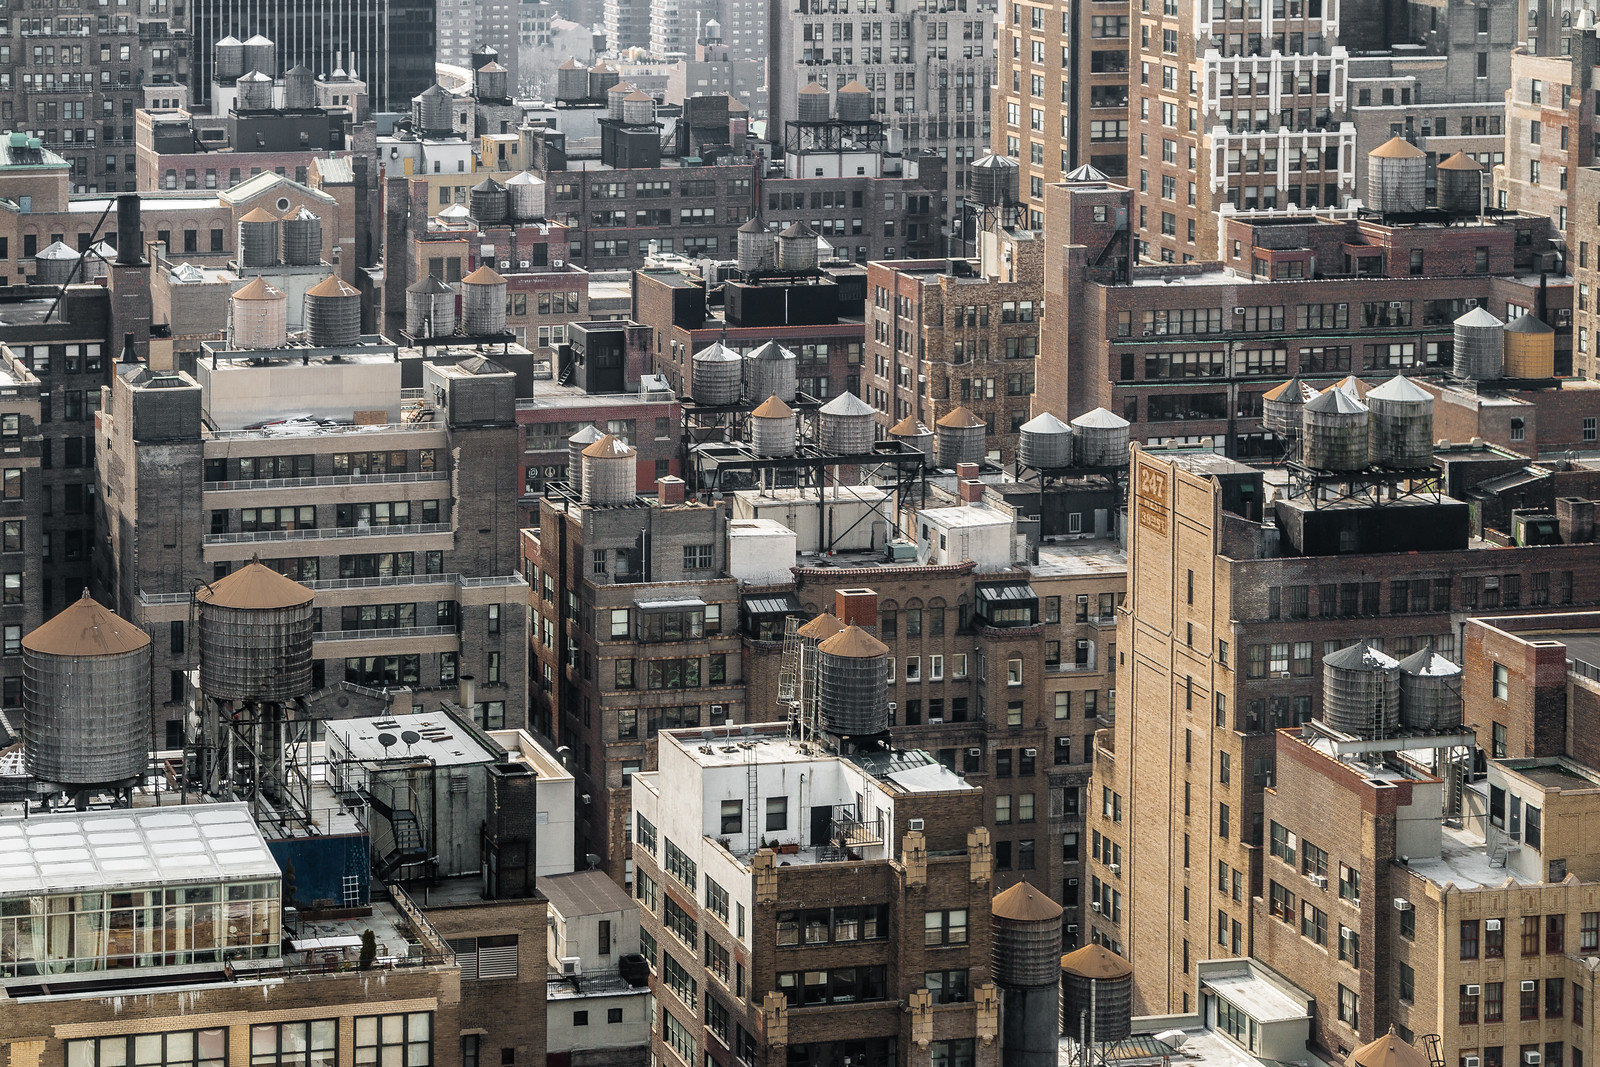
[752, 829]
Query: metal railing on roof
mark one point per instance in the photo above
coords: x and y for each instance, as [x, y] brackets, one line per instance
[323, 533]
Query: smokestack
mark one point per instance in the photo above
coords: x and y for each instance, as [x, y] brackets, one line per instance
[130, 351]
[467, 692]
[129, 254]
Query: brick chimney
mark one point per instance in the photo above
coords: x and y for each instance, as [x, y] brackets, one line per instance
[966, 470]
[856, 607]
[669, 490]
[1575, 519]
[971, 490]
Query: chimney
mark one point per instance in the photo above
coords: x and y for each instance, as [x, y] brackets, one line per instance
[966, 470]
[129, 252]
[161, 358]
[856, 607]
[1575, 519]
[971, 490]
[467, 692]
[669, 490]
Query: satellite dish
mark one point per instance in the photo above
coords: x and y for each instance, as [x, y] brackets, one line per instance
[386, 740]
[747, 731]
[410, 737]
[708, 735]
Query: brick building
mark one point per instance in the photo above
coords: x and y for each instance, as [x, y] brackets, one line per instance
[632, 617]
[24, 508]
[759, 925]
[958, 333]
[1457, 904]
[1184, 353]
[399, 514]
[1231, 608]
[819, 319]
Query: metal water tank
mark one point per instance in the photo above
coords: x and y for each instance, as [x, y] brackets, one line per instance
[797, 248]
[811, 103]
[1460, 185]
[260, 315]
[572, 82]
[1479, 351]
[1400, 432]
[255, 636]
[1361, 691]
[638, 108]
[960, 438]
[609, 472]
[771, 370]
[580, 440]
[716, 375]
[492, 82]
[483, 55]
[602, 76]
[254, 92]
[846, 426]
[56, 264]
[852, 684]
[259, 239]
[1530, 348]
[758, 249]
[1334, 432]
[487, 202]
[261, 54]
[483, 303]
[995, 180]
[854, 103]
[614, 98]
[333, 313]
[1352, 387]
[299, 87]
[302, 239]
[432, 111]
[525, 196]
[430, 308]
[229, 53]
[1100, 439]
[1397, 177]
[1026, 943]
[820, 629]
[86, 698]
[914, 434]
[1430, 692]
[772, 428]
[1096, 995]
[1282, 407]
[1045, 443]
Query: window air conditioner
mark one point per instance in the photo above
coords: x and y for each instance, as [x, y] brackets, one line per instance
[1473, 990]
[1529, 987]
[1030, 752]
[1402, 904]
[1114, 868]
[1319, 880]
[914, 824]
[1094, 905]
[974, 751]
[1491, 925]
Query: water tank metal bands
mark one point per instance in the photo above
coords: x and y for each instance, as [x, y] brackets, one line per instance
[333, 313]
[846, 426]
[255, 636]
[580, 440]
[260, 315]
[1397, 176]
[1479, 346]
[1430, 692]
[609, 475]
[1400, 433]
[483, 303]
[717, 375]
[1334, 433]
[302, 239]
[772, 430]
[1045, 443]
[526, 193]
[1096, 995]
[961, 436]
[259, 239]
[430, 308]
[852, 684]
[1361, 691]
[1100, 438]
[771, 370]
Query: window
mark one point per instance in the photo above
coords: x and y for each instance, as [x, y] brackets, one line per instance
[1493, 1002]
[1502, 682]
[1467, 1012]
[947, 987]
[697, 557]
[1349, 1008]
[384, 1039]
[183, 1048]
[1350, 884]
[732, 817]
[777, 813]
[945, 927]
[1469, 939]
[1013, 672]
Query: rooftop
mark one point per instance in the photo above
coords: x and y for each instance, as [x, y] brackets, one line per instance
[584, 893]
[1080, 559]
[192, 845]
[435, 738]
[901, 770]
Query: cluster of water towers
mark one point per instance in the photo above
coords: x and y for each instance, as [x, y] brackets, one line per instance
[251, 67]
[1347, 427]
[1086, 995]
[86, 687]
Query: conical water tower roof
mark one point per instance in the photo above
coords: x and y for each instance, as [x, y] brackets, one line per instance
[1044, 422]
[773, 408]
[960, 418]
[1387, 1051]
[854, 643]
[1096, 961]
[333, 285]
[609, 446]
[821, 628]
[484, 275]
[258, 288]
[1478, 316]
[847, 404]
[1397, 148]
[86, 628]
[1024, 904]
[255, 586]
